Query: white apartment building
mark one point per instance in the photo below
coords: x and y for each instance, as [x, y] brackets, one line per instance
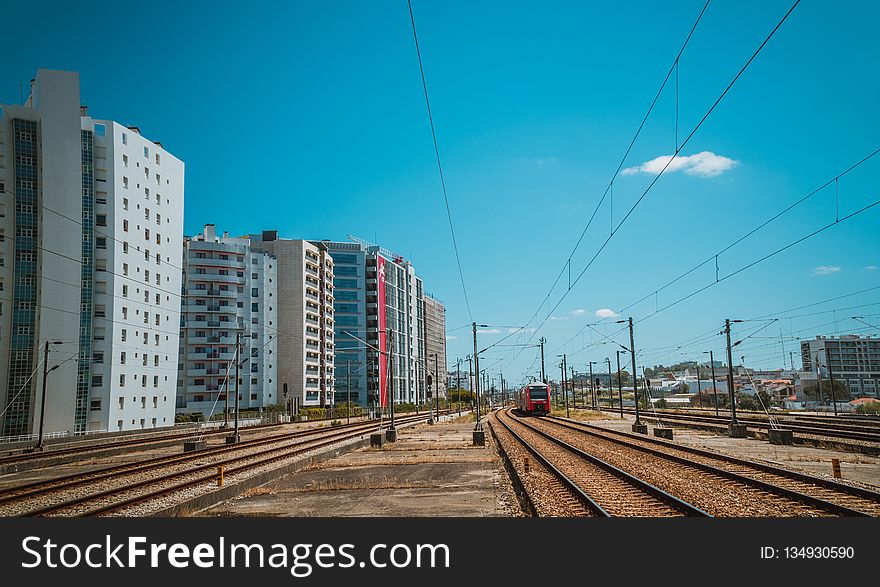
[229, 290]
[90, 253]
[851, 359]
[306, 345]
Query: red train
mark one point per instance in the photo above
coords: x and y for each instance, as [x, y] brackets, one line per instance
[534, 398]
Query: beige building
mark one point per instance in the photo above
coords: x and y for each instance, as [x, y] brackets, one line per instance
[305, 318]
[435, 342]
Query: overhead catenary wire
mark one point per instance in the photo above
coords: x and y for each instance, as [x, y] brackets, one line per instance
[668, 163]
[439, 163]
[610, 187]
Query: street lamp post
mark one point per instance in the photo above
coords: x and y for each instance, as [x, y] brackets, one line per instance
[610, 385]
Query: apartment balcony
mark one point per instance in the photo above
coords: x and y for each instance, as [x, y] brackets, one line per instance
[216, 278]
[372, 281]
[196, 372]
[231, 263]
[196, 340]
[211, 293]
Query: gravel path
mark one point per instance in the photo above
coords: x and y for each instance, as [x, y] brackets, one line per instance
[548, 495]
[615, 495]
[713, 493]
[125, 485]
[863, 504]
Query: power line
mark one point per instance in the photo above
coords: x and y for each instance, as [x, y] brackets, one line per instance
[669, 162]
[439, 164]
[609, 188]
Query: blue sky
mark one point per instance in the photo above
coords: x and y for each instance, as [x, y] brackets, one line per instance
[309, 117]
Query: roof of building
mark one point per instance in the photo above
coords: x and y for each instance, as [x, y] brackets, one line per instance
[864, 400]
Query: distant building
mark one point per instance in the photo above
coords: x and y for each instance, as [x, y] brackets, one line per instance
[850, 359]
[221, 275]
[435, 343]
[90, 253]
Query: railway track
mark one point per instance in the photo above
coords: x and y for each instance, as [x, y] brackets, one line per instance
[863, 433]
[797, 493]
[583, 484]
[118, 488]
[73, 452]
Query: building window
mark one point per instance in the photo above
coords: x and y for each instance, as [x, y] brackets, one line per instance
[146, 152]
[124, 139]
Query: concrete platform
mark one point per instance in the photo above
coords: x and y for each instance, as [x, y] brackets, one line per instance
[432, 470]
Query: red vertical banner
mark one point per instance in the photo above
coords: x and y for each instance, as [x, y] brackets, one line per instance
[383, 335]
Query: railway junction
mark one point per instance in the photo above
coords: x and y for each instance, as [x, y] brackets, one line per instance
[590, 464]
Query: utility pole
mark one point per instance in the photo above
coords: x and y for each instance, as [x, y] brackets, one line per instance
[619, 385]
[458, 383]
[437, 392]
[610, 384]
[714, 386]
[479, 435]
[46, 371]
[562, 383]
[564, 388]
[348, 389]
[235, 437]
[831, 378]
[637, 426]
[737, 430]
[819, 379]
[391, 433]
[543, 375]
[470, 381]
[592, 381]
[699, 394]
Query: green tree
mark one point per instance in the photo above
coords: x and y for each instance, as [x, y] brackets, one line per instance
[811, 389]
[872, 408]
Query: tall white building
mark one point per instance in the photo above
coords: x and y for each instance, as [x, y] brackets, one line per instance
[306, 345]
[229, 290]
[90, 258]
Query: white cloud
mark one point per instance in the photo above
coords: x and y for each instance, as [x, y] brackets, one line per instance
[578, 312]
[871, 268]
[490, 331]
[540, 161]
[704, 164]
[605, 313]
[451, 337]
[559, 317]
[825, 270]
